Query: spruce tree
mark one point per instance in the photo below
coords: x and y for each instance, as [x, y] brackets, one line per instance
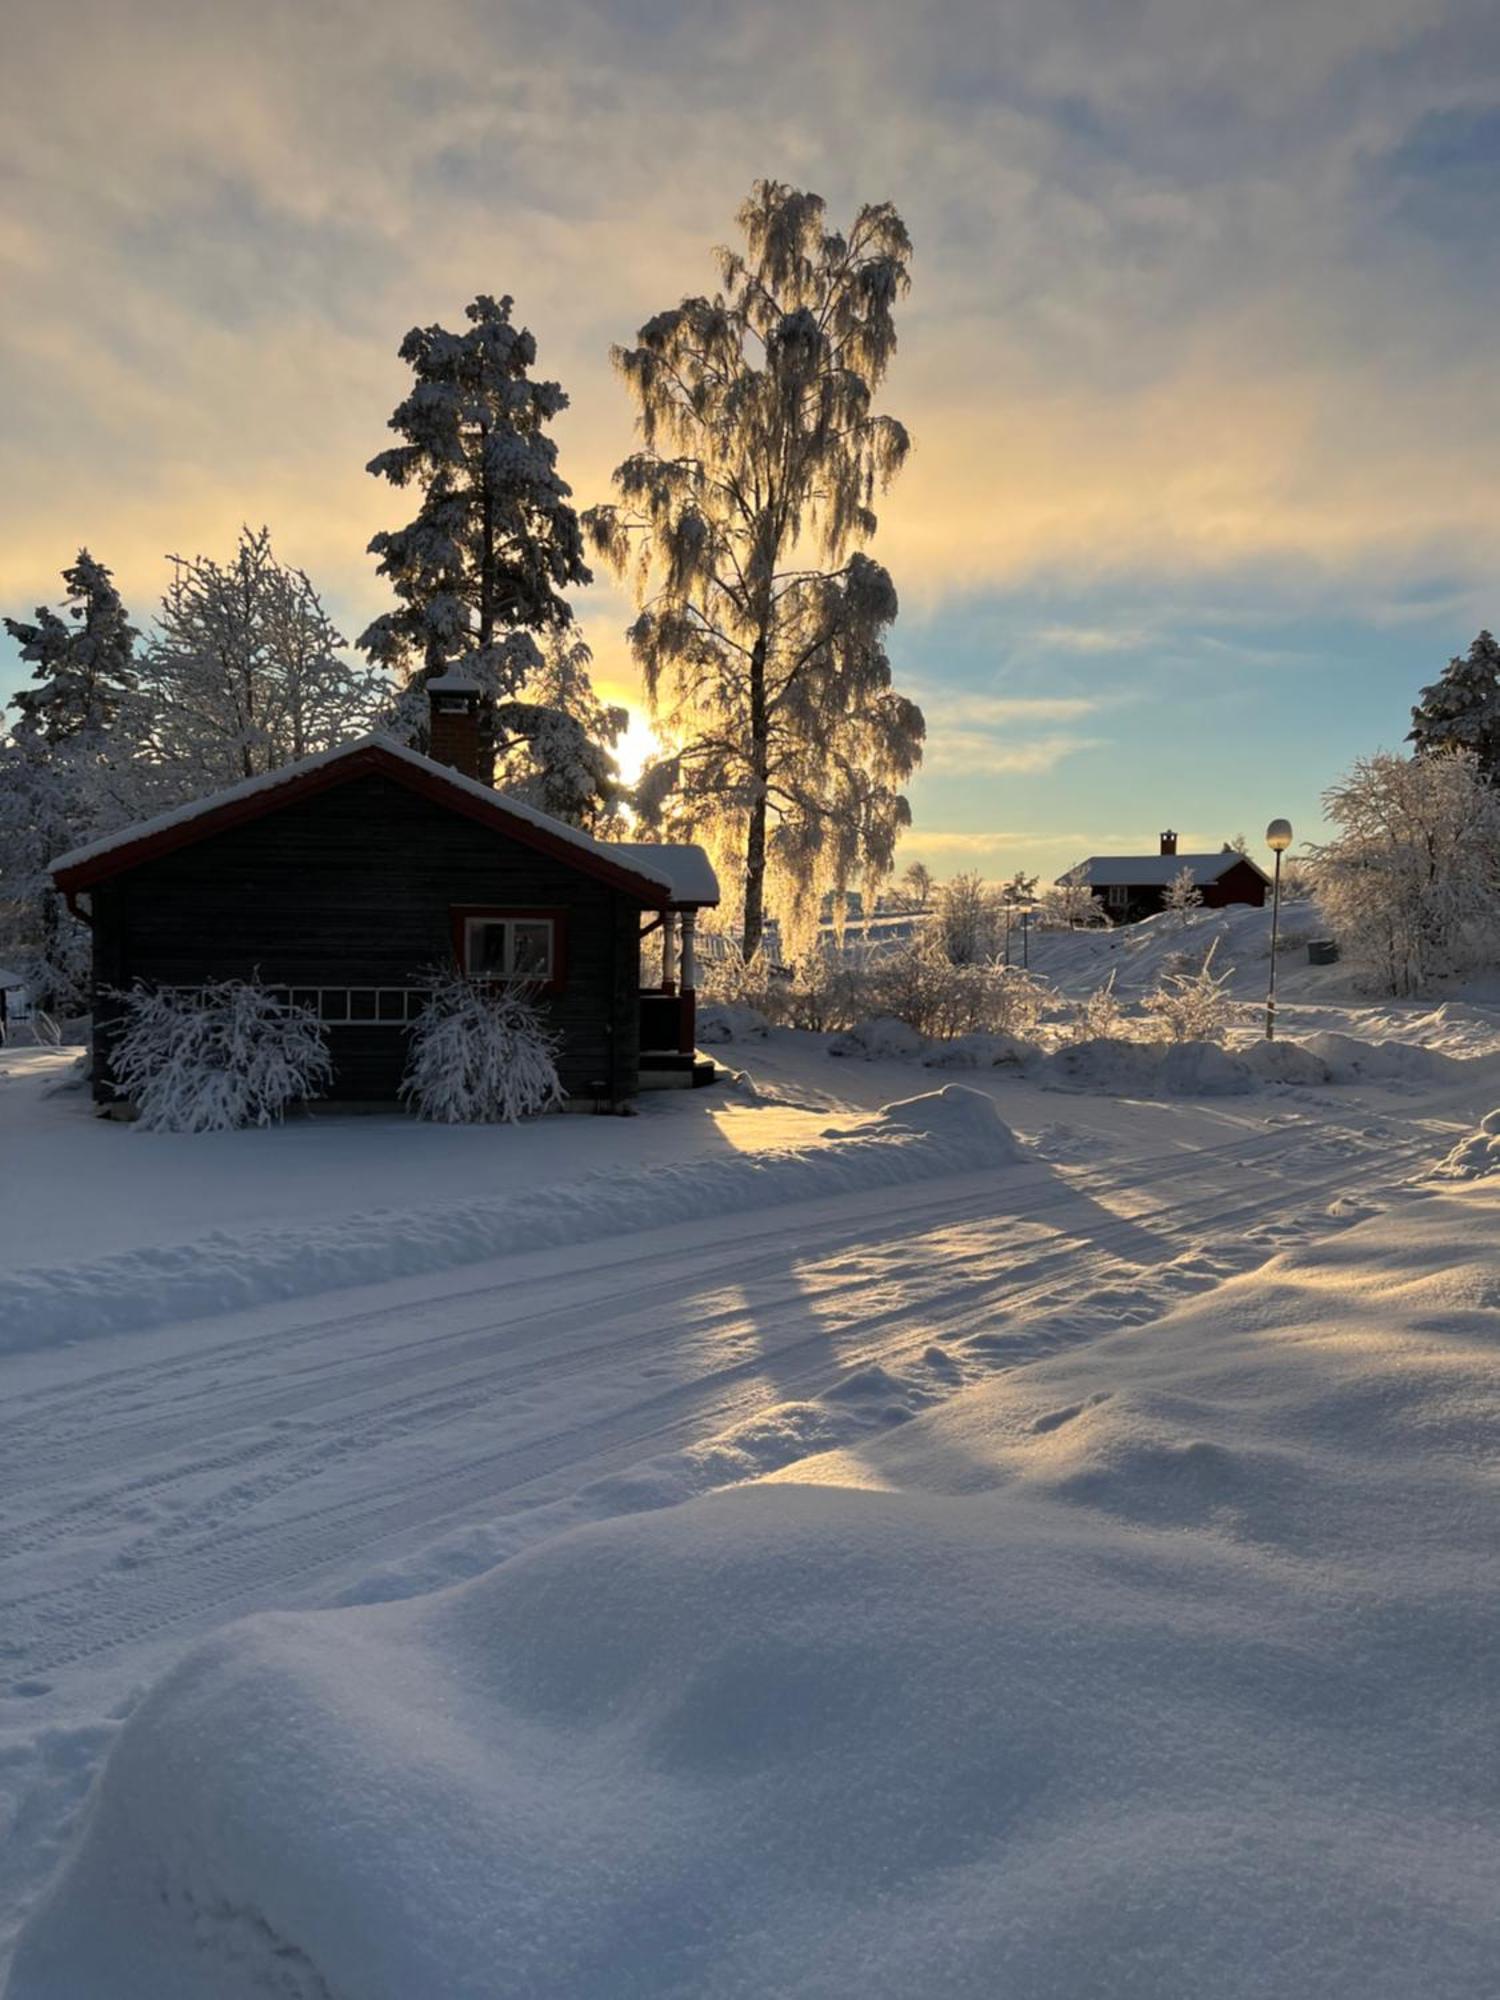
[84, 663]
[481, 567]
[1461, 711]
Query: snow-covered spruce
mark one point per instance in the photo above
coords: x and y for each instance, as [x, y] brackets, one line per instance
[224, 1055]
[480, 1054]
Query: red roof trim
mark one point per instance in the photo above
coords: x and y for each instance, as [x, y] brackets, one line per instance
[369, 759]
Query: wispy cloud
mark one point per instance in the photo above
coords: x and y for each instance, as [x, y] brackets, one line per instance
[978, 753]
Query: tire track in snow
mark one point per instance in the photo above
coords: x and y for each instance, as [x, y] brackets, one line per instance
[231, 1566]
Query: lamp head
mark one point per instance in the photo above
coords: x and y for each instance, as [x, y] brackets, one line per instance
[1279, 835]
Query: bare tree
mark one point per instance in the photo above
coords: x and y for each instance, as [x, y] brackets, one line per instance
[761, 624]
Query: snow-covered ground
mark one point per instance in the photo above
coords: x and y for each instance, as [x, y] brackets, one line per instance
[1122, 1621]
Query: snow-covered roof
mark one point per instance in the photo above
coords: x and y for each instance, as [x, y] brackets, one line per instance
[658, 868]
[1153, 871]
[691, 871]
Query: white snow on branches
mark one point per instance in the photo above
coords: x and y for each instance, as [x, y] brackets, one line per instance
[480, 1054]
[217, 1057]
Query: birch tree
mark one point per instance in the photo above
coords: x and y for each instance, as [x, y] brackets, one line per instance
[761, 621]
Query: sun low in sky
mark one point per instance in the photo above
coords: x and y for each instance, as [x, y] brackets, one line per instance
[1198, 360]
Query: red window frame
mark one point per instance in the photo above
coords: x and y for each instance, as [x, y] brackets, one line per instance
[461, 915]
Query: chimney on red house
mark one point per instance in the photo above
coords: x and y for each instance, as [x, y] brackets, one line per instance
[453, 727]
[1168, 839]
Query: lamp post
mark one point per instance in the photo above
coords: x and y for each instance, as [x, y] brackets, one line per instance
[1278, 839]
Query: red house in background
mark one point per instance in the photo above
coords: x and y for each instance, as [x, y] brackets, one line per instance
[1132, 886]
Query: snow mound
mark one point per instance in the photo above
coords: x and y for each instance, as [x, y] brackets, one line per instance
[875, 1041]
[1476, 1157]
[1284, 1062]
[955, 1114]
[729, 1021]
[1351, 1060]
[941, 1133]
[1203, 1069]
[978, 1051]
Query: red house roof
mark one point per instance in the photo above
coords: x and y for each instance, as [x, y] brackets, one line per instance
[634, 870]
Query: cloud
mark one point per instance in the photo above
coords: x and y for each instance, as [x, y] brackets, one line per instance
[994, 711]
[976, 753]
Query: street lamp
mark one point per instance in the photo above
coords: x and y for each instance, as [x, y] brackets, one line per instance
[1278, 839]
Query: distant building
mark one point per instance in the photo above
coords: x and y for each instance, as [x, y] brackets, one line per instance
[1133, 886]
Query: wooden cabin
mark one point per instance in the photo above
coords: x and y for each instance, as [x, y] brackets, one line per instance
[345, 877]
[1132, 886]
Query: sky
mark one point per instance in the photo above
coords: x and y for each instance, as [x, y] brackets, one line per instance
[1199, 358]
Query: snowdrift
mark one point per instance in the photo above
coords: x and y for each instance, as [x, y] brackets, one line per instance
[1476, 1157]
[953, 1130]
[1157, 1671]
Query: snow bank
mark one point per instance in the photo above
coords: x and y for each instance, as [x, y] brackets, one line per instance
[1350, 1059]
[876, 1041]
[979, 1051]
[223, 1272]
[1156, 1670]
[1476, 1157]
[729, 1021]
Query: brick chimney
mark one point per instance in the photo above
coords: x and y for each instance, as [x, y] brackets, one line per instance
[453, 726]
[1168, 839]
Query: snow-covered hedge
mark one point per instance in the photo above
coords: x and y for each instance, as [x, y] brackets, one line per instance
[480, 1054]
[216, 1057]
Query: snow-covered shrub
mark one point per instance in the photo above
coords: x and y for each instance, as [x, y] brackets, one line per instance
[216, 1057]
[1411, 882]
[480, 1054]
[940, 1000]
[1193, 1006]
[1070, 906]
[1183, 896]
[1096, 1017]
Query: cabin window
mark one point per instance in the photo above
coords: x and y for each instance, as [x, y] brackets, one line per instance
[1116, 896]
[509, 947]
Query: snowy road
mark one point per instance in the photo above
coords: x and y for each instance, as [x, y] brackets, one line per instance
[152, 1489]
[371, 1443]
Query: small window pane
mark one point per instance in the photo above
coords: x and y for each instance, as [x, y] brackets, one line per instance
[305, 996]
[531, 950]
[487, 948]
[392, 1003]
[335, 1003]
[362, 1003]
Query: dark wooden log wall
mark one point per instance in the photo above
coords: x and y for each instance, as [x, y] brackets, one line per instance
[354, 887]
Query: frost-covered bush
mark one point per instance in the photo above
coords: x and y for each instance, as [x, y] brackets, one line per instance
[1192, 1005]
[216, 1057]
[1096, 1017]
[1183, 898]
[480, 1054]
[919, 986]
[1071, 906]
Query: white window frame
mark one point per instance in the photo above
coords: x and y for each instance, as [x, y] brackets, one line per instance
[533, 976]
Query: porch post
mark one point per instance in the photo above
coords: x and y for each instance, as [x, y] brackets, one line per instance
[687, 1005]
[669, 951]
[689, 960]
